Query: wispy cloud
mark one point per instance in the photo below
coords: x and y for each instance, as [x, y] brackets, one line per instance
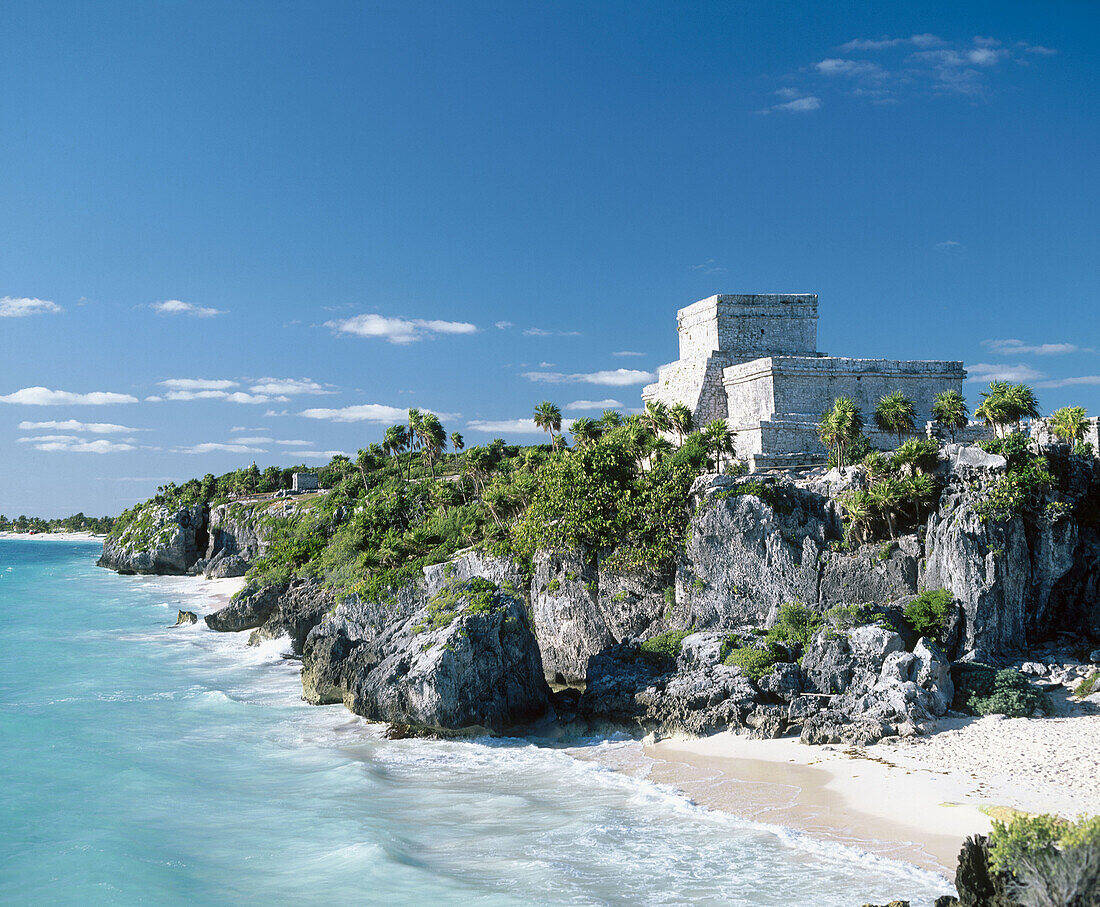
[317, 454]
[924, 40]
[543, 332]
[1080, 380]
[198, 384]
[594, 404]
[705, 267]
[365, 412]
[796, 102]
[218, 447]
[504, 325]
[835, 66]
[43, 396]
[511, 426]
[294, 443]
[60, 443]
[950, 247]
[289, 387]
[619, 377]
[186, 389]
[398, 330]
[95, 428]
[22, 306]
[1013, 347]
[631, 353]
[178, 307]
[984, 371]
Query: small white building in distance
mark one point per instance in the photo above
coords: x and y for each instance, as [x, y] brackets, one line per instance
[752, 359]
[303, 481]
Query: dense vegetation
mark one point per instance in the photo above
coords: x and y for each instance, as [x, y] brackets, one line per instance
[78, 522]
[1048, 860]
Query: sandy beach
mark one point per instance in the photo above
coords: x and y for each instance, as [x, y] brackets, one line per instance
[52, 536]
[914, 799]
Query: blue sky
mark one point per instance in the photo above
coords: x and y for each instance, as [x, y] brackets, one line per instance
[230, 225]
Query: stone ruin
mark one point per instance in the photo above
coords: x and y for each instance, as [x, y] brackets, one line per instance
[752, 360]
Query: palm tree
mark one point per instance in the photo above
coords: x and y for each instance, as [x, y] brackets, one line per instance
[656, 416]
[951, 411]
[885, 495]
[682, 423]
[457, 444]
[396, 441]
[719, 441]
[1005, 404]
[585, 431]
[415, 419]
[1069, 423]
[840, 427]
[433, 438]
[858, 509]
[611, 418]
[1023, 402]
[548, 418]
[896, 415]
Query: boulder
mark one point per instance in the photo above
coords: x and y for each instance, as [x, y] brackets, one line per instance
[224, 566]
[183, 618]
[248, 609]
[467, 661]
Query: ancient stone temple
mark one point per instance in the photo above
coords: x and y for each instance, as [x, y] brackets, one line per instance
[752, 359]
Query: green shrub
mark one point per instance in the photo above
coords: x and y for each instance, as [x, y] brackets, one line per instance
[796, 625]
[929, 614]
[754, 662]
[731, 642]
[919, 454]
[1087, 686]
[847, 617]
[1049, 861]
[1004, 692]
[665, 647]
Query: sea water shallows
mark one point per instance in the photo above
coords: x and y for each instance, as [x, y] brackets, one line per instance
[142, 763]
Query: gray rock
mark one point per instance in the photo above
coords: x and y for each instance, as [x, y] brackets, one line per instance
[248, 609]
[784, 682]
[227, 566]
[701, 650]
[467, 661]
[299, 608]
[802, 707]
[871, 643]
[155, 540]
[1094, 656]
[183, 618]
[567, 618]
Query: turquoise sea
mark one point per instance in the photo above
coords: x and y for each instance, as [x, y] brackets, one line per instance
[142, 764]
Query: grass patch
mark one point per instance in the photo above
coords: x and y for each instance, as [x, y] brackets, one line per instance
[665, 647]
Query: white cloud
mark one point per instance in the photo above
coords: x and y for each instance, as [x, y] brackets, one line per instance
[1036, 49]
[95, 428]
[253, 440]
[1011, 347]
[504, 325]
[800, 104]
[154, 399]
[838, 67]
[43, 396]
[512, 426]
[627, 353]
[289, 386]
[294, 443]
[81, 445]
[317, 454]
[35, 439]
[924, 40]
[20, 307]
[398, 330]
[1071, 382]
[177, 307]
[542, 332]
[361, 412]
[984, 371]
[950, 246]
[242, 397]
[197, 384]
[619, 377]
[238, 428]
[231, 397]
[594, 404]
[218, 447]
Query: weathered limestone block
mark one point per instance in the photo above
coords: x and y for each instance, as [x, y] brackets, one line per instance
[156, 540]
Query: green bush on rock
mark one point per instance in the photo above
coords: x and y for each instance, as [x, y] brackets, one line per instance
[1050, 861]
[665, 647]
[755, 663]
[981, 689]
[929, 614]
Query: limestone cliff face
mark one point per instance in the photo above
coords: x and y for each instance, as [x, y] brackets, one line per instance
[235, 529]
[156, 539]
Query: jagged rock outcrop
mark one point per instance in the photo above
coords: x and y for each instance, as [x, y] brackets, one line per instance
[875, 687]
[235, 528]
[466, 661]
[1003, 572]
[502, 571]
[184, 618]
[299, 607]
[156, 540]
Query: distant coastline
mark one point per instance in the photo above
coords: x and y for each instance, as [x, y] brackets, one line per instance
[52, 536]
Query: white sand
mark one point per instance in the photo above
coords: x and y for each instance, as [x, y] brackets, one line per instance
[915, 798]
[53, 536]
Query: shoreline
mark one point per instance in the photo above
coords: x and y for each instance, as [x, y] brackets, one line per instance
[887, 800]
[51, 536]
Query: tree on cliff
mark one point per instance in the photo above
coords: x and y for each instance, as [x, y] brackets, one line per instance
[682, 423]
[457, 443]
[841, 427]
[433, 438]
[548, 418]
[585, 431]
[1005, 404]
[718, 440]
[396, 441]
[1069, 423]
[656, 416]
[896, 415]
[950, 411]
